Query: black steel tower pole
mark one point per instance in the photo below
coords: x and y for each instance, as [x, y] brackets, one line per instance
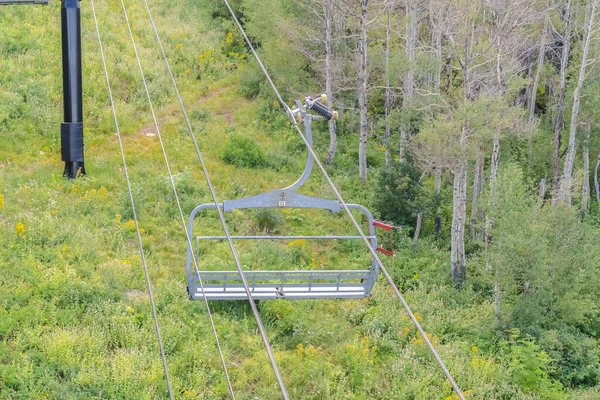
[71, 130]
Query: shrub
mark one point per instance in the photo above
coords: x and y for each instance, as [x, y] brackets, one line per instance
[251, 81]
[530, 366]
[575, 355]
[242, 151]
[397, 194]
[268, 220]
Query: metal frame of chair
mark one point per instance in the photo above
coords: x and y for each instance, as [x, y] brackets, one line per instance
[290, 284]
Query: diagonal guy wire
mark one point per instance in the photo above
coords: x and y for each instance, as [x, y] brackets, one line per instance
[259, 323]
[137, 227]
[172, 180]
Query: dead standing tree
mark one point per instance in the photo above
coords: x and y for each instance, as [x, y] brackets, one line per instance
[590, 30]
[565, 40]
[315, 39]
[486, 51]
[364, 13]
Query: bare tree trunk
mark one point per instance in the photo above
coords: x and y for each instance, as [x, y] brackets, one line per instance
[489, 223]
[437, 188]
[585, 190]
[459, 197]
[494, 163]
[497, 315]
[534, 86]
[362, 91]
[596, 183]
[437, 45]
[528, 88]
[412, 33]
[341, 122]
[328, 80]
[477, 189]
[542, 189]
[417, 229]
[538, 70]
[386, 137]
[352, 119]
[448, 73]
[559, 122]
[566, 184]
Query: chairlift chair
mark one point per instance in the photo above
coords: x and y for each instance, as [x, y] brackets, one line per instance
[291, 284]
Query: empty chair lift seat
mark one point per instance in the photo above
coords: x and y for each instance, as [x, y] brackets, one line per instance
[293, 284]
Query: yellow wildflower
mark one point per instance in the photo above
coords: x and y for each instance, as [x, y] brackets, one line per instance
[418, 317]
[129, 225]
[1, 201]
[20, 229]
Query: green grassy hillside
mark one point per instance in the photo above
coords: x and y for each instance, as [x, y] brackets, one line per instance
[75, 320]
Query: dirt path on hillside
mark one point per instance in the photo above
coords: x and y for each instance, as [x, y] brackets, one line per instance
[174, 111]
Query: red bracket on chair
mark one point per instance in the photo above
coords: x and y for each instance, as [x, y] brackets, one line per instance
[385, 247]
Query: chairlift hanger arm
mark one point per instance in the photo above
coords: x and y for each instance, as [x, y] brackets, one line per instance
[318, 106]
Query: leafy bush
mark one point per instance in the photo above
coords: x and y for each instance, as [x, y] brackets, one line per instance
[268, 220]
[398, 193]
[242, 151]
[530, 366]
[575, 355]
[251, 81]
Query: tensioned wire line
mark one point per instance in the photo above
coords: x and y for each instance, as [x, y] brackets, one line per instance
[345, 206]
[259, 323]
[171, 179]
[137, 227]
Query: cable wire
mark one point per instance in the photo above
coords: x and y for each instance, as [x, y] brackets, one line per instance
[137, 228]
[261, 328]
[172, 180]
[344, 205]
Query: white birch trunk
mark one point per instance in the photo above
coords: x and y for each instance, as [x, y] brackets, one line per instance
[417, 229]
[542, 189]
[437, 186]
[328, 80]
[459, 200]
[437, 45]
[585, 190]
[412, 33]
[534, 86]
[477, 189]
[596, 183]
[459, 214]
[362, 91]
[386, 137]
[566, 182]
[538, 70]
[558, 125]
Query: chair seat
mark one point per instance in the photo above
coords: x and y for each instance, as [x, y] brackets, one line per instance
[265, 285]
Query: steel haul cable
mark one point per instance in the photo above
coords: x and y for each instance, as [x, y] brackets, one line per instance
[137, 228]
[344, 205]
[259, 323]
[171, 179]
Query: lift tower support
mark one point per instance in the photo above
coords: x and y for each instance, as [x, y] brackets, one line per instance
[71, 130]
